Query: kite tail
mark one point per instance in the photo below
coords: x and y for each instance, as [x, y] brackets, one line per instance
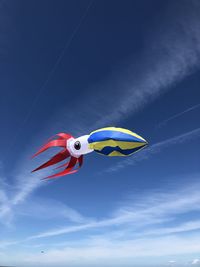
[60, 141]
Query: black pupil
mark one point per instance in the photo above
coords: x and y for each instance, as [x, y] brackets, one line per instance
[77, 145]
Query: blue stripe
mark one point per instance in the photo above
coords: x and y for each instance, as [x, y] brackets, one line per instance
[107, 150]
[112, 135]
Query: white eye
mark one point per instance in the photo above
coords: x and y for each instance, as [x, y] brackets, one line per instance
[79, 146]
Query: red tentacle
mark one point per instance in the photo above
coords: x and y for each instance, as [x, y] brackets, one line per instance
[64, 135]
[66, 171]
[80, 161]
[61, 136]
[55, 159]
[63, 165]
[60, 141]
[53, 143]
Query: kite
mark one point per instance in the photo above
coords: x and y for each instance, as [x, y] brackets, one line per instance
[110, 141]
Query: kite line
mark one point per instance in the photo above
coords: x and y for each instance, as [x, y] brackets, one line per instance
[51, 73]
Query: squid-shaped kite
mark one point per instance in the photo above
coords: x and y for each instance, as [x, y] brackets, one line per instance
[110, 141]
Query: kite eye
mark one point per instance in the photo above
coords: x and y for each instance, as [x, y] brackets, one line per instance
[77, 145]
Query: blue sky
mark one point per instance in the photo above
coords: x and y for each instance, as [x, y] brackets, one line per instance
[76, 66]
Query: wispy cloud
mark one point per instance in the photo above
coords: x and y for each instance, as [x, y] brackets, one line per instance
[48, 209]
[116, 253]
[184, 227]
[196, 262]
[4, 208]
[152, 210]
[13, 195]
[18, 199]
[132, 233]
[155, 148]
[144, 226]
[168, 57]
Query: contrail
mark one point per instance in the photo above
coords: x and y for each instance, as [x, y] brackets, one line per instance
[178, 115]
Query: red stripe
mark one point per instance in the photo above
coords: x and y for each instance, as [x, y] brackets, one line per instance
[55, 159]
[53, 143]
[68, 170]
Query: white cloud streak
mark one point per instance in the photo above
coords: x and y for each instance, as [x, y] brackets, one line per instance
[169, 57]
[131, 232]
[184, 227]
[12, 196]
[152, 210]
[115, 253]
[48, 209]
[130, 241]
[196, 262]
[16, 200]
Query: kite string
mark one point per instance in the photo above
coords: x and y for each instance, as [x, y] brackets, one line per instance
[43, 87]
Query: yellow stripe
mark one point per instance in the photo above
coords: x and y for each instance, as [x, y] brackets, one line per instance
[113, 154]
[117, 153]
[118, 130]
[113, 143]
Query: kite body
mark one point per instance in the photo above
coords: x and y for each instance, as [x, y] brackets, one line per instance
[110, 141]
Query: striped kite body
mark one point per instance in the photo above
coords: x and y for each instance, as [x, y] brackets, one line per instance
[112, 141]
